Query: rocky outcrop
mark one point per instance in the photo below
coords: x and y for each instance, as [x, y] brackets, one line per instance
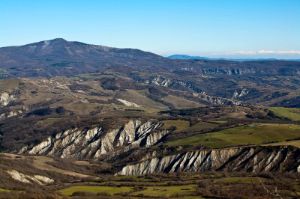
[229, 71]
[28, 179]
[160, 81]
[238, 94]
[216, 100]
[249, 159]
[127, 103]
[5, 98]
[11, 113]
[197, 92]
[95, 142]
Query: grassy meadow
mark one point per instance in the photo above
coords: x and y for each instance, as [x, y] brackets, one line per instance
[289, 113]
[254, 134]
[188, 186]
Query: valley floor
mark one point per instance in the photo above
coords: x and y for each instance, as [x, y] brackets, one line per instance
[185, 186]
[113, 136]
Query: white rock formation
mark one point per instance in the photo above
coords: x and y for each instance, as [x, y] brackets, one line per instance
[94, 142]
[242, 93]
[21, 177]
[161, 81]
[255, 159]
[129, 104]
[10, 114]
[5, 98]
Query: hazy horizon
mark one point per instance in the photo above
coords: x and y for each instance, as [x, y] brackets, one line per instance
[284, 55]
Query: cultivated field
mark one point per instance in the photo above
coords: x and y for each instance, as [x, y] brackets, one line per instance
[289, 113]
[254, 134]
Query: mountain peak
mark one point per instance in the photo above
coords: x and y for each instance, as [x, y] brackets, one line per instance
[57, 56]
[56, 40]
[42, 45]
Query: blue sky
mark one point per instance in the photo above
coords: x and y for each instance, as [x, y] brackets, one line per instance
[237, 28]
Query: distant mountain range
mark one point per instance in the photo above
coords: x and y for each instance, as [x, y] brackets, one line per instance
[187, 57]
[60, 57]
[191, 57]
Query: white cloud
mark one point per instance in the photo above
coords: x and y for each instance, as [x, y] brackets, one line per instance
[267, 52]
[247, 54]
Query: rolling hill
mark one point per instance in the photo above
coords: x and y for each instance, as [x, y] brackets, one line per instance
[88, 121]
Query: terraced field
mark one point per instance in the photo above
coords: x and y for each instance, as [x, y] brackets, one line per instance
[180, 125]
[109, 190]
[181, 103]
[210, 185]
[4, 190]
[289, 113]
[295, 143]
[185, 126]
[167, 191]
[254, 134]
[149, 191]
